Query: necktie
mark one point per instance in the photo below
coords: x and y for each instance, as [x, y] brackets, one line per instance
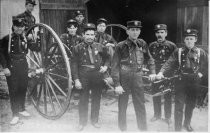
[138, 53]
[90, 54]
[100, 39]
[19, 44]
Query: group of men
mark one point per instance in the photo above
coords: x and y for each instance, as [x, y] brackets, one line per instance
[95, 55]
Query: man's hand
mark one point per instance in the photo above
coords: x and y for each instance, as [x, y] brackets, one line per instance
[110, 44]
[78, 84]
[6, 72]
[119, 90]
[159, 76]
[152, 77]
[103, 69]
[30, 37]
[200, 75]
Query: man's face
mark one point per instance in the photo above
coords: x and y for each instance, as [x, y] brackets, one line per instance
[190, 41]
[29, 7]
[101, 27]
[19, 29]
[80, 18]
[72, 30]
[133, 33]
[161, 35]
[89, 36]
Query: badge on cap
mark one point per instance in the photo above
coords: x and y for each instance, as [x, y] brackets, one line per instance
[188, 30]
[135, 23]
[19, 20]
[88, 25]
[158, 26]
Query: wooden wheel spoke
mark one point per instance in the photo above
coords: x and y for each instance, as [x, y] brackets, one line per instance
[33, 90]
[57, 86]
[63, 77]
[50, 97]
[33, 34]
[54, 65]
[33, 61]
[39, 96]
[44, 43]
[45, 100]
[36, 55]
[52, 89]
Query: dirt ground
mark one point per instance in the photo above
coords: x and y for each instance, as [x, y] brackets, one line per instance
[108, 119]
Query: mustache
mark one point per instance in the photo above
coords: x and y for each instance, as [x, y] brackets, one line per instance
[90, 39]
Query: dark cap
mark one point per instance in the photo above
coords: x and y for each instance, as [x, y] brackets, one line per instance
[89, 26]
[191, 32]
[134, 24]
[160, 27]
[101, 20]
[18, 21]
[33, 2]
[78, 13]
[71, 22]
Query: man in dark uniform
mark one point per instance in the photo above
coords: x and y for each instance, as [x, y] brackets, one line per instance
[107, 40]
[13, 50]
[79, 17]
[71, 39]
[192, 64]
[29, 20]
[160, 51]
[101, 36]
[90, 61]
[27, 15]
[128, 59]
[104, 38]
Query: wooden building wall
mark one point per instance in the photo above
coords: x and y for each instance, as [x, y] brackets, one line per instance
[193, 14]
[9, 8]
[55, 13]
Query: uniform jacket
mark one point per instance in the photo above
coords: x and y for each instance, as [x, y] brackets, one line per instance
[81, 57]
[104, 38]
[18, 48]
[161, 52]
[190, 63]
[130, 55]
[80, 29]
[70, 40]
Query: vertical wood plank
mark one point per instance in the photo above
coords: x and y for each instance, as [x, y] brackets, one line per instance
[193, 17]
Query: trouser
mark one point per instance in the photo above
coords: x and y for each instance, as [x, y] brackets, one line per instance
[167, 105]
[91, 80]
[185, 93]
[17, 84]
[132, 82]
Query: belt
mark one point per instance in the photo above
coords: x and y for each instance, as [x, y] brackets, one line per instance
[17, 57]
[132, 68]
[187, 74]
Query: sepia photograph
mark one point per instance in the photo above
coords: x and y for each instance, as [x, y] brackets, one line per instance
[104, 66]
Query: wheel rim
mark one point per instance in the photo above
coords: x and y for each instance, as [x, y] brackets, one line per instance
[117, 31]
[50, 67]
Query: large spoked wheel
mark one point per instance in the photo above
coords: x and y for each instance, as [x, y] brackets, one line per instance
[49, 72]
[117, 31]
